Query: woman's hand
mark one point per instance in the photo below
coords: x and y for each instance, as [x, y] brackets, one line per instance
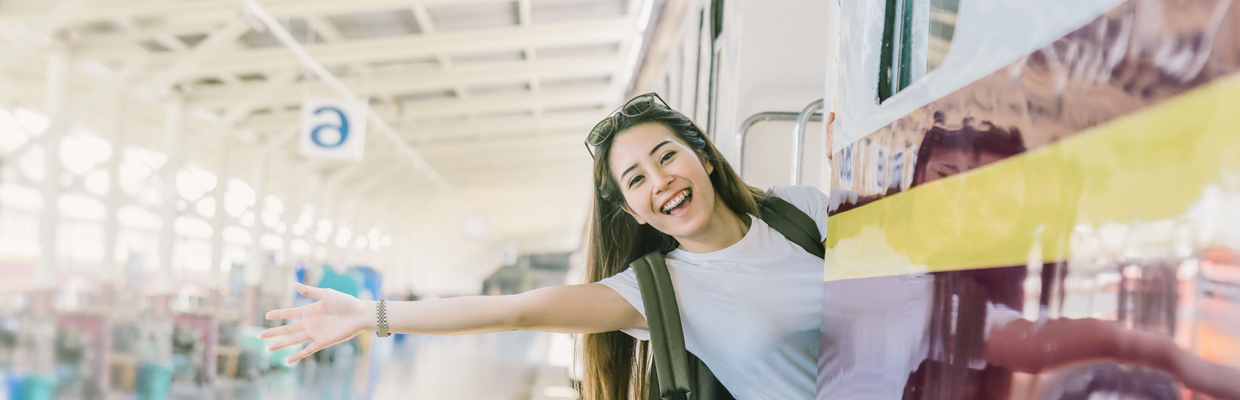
[1023, 346]
[335, 318]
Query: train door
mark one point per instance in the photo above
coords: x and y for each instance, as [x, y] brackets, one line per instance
[1028, 183]
[745, 71]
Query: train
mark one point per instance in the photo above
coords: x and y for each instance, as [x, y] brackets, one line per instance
[989, 162]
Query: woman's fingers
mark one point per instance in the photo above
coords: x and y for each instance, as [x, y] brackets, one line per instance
[309, 291]
[313, 347]
[287, 313]
[282, 330]
[299, 338]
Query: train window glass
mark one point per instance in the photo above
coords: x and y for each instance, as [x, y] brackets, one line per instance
[703, 49]
[942, 21]
[916, 37]
[716, 19]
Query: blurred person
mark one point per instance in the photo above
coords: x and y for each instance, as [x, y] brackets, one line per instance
[1033, 347]
[945, 152]
[750, 300]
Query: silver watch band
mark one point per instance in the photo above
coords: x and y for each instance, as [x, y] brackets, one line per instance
[382, 328]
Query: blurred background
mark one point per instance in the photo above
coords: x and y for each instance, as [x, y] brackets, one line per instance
[168, 169]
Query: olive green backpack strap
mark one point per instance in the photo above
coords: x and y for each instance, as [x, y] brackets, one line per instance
[667, 338]
[793, 223]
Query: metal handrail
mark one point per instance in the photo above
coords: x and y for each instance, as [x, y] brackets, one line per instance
[798, 140]
[743, 133]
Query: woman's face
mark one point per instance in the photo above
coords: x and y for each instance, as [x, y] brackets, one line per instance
[663, 181]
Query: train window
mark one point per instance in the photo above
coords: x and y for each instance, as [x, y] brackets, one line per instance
[916, 37]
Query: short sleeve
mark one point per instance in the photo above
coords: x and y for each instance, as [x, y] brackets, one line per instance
[809, 199]
[625, 283]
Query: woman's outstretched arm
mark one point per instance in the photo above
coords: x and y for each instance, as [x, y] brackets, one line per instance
[1024, 346]
[337, 317]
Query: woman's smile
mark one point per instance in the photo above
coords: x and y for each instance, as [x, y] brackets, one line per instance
[678, 204]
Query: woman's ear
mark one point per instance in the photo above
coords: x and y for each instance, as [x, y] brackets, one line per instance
[636, 217]
[710, 167]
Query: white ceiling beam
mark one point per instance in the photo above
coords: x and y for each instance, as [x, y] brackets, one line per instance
[489, 162]
[539, 173]
[40, 27]
[215, 42]
[444, 60]
[378, 177]
[205, 10]
[474, 131]
[399, 48]
[500, 127]
[591, 95]
[512, 163]
[325, 28]
[171, 43]
[308, 60]
[238, 112]
[109, 87]
[532, 147]
[241, 110]
[524, 12]
[331, 34]
[401, 83]
[481, 140]
[571, 165]
[423, 18]
[132, 35]
[587, 96]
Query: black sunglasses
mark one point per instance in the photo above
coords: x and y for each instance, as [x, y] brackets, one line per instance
[604, 129]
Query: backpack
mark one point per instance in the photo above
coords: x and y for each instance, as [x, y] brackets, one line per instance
[677, 374]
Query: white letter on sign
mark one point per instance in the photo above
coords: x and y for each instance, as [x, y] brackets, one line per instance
[333, 128]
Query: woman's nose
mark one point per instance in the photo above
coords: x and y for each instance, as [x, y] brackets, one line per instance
[661, 180]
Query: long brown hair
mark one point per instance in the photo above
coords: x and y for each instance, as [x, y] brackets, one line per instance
[616, 364]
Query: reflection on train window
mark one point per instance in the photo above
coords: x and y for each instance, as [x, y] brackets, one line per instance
[916, 37]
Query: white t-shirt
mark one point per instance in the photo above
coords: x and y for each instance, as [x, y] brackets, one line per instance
[875, 333]
[751, 311]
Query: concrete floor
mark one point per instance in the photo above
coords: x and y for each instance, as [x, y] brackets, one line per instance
[499, 366]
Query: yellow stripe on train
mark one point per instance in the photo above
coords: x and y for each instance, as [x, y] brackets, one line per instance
[1150, 165]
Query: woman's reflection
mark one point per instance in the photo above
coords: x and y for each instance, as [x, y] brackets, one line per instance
[973, 339]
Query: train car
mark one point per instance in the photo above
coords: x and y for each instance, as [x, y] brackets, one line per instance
[1035, 191]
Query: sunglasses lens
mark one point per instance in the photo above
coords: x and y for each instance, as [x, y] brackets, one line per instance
[600, 132]
[638, 105]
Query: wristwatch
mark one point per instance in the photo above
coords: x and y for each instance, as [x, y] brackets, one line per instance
[381, 310]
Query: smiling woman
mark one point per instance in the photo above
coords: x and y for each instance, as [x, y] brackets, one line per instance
[750, 298]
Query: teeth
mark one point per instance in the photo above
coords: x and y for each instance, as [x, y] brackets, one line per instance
[676, 201]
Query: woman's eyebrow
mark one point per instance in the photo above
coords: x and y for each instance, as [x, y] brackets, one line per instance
[626, 172]
[656, 148]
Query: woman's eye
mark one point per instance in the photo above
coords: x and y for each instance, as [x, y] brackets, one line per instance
[635, 180]
[668, 156]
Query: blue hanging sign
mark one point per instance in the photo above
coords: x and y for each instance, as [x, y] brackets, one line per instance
[333, 128]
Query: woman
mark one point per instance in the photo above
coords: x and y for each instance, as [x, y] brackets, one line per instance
[751, 301]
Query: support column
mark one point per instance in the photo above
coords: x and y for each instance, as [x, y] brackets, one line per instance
[40, 329]
[173, 140]
[59, 72]
[254, 276]
[216, 280]
[256, 263]
[114, 272]
[289, 262]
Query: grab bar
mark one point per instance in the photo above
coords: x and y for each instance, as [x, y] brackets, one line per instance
[798, 140]
[742, 134]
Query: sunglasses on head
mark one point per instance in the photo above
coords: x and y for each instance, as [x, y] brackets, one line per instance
[637, 106]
